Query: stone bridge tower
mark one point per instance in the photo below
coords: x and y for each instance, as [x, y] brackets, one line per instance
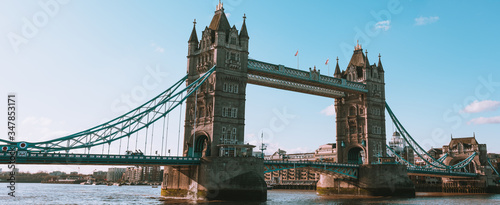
[219, 110]
[360, 118]
[215, 120]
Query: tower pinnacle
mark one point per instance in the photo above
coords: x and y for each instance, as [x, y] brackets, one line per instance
[219, 6]
[193, 38]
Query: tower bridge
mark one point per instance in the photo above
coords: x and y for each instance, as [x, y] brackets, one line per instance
[215, 162]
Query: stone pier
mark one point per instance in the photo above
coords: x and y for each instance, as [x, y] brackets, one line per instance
[373, 180]
[217, 178]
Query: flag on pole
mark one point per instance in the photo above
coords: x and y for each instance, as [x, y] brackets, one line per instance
[297, 53]
[326, 63]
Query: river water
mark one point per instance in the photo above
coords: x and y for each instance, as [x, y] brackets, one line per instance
[34, 193]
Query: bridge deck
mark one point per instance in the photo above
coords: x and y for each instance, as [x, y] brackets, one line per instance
[95, 159]
[281, 77]
[350, 170]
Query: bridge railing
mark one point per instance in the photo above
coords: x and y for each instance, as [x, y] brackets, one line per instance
[97, 156]
[309, 163]
[440, 172]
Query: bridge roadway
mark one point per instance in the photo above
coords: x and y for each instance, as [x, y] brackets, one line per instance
[97, 159]
[349, 170]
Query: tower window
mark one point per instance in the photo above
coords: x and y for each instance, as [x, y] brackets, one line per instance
[234, 112]
[233, 134]
[223, 133]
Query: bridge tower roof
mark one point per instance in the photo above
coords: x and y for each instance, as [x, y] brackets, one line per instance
[219, 21]
[358, 59]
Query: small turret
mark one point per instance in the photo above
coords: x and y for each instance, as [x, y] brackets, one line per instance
[194, 37]
[193, 40]
[379, 66]
[337, 73]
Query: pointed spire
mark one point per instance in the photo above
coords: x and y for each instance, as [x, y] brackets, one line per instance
[194, 37]
[357, 47]
[337, 69]
[380, 67]
[367, 63]
[220, 6]
[243, 30]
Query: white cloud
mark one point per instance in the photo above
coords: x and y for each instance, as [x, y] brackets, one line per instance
[420, 21]
[383, 25]
[158, 48]
[42, 121]
[36, 129]
[481, 106]
[328, 111]
[485, 120]
[228, 15]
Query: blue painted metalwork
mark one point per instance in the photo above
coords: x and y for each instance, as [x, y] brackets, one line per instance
[491, 165]
[290, 73]
[436, 172]
[96, 159]
[429, 160]
[350, 170]
[125, 125]
[401, 160]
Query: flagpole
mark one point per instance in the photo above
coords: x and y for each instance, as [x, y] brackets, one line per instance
[298, 61]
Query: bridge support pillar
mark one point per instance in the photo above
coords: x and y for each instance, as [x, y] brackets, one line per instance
[373, 180]
[217, 178]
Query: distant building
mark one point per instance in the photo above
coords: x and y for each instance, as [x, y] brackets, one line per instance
[143, 174]
[399, 146]
[99, 174]
[133, 174]
[56, 173]
[115, 174]
[326, 153]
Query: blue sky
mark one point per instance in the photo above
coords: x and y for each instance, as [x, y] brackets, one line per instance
[72, 69]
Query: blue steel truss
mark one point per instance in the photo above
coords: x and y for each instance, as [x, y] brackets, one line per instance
[429, 160]
[437, 172]
[493, 167]
[124, 125]
[96, 159]
[401, 160]
[350, 170]
[284, 75]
